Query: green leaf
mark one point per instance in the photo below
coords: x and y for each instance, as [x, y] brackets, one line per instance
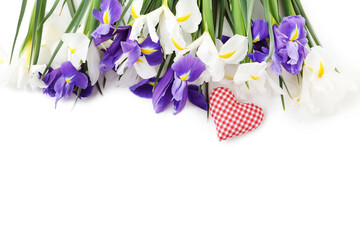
[94, 23]
[270, 27]
[208, 21]
[21, 16]
[56, 3]
[274, 9]
[221, 18]
[288, 8]
[34, 34]
[238, 17]
[39, 31]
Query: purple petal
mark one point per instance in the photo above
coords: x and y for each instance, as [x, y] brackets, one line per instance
[224, 39]
[114, 9]
[162, 95]
[103, 29]
[98, 15]
[259, 56]
[80, 80]
[50, 79]
[289, 25]
[179, 105]
[178, 89]
[144, 88]
[152, 51]
[115, 50]
[85, 92]
[196, 97]
[189, 66]
[68, 70]
[68, 89]
[133, 49]
[260, 30]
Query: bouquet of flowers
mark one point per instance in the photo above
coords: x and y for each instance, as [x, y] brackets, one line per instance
[213, 53]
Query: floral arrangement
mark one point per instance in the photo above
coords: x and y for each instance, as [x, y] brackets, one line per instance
[211, 53]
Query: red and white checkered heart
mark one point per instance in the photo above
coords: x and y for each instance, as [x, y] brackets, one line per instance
[231, 117]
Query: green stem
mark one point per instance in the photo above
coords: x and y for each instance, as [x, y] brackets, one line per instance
[270, 26]
[300, 9]
[71, 7]
[21, 16]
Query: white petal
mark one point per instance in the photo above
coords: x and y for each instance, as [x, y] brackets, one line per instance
[122, 63]
[137, 28]
[144, 70]
[93, 63]
[234, 50]
[246, 71]
[188, 15]
[129, 78]
[78, 45]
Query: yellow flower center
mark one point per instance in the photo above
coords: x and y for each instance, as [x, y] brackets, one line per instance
[257, 39]
[68, 80]
[321, 70]
[107, 17]
[185, 77]
[254, 78]
[140, 61]
[295, 35]
[147, 50]
[72, 50]
[184, 18]
[227, 55]
[133, 12]
[177, 45]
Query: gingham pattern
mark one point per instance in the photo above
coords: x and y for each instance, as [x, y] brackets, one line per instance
[231, 117]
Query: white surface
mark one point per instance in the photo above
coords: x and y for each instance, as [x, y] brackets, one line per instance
[113, 169]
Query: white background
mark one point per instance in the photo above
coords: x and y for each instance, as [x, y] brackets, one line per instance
[113, 169]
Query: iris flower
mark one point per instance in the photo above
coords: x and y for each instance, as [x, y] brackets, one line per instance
[114, 52]
[77, 45]
[216, 57]
[141, 56]
[109, 14]
[260, 34]
[322, 86]
[174, 85]
[290, 42]
[256, 76]
[174, 30]
[69, 79]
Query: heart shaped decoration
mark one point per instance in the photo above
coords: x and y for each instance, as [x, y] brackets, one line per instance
[231, 117]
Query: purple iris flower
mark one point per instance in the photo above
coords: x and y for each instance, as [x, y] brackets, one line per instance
[50, 79]
[151, 50]
[84, 93]
[174, 85]
[109, 14]
[144, 88]
[260, 34]
[114, 52]
[290, 42]
[69, 79]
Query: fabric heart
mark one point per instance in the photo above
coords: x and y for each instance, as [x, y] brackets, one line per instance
[231, 117]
